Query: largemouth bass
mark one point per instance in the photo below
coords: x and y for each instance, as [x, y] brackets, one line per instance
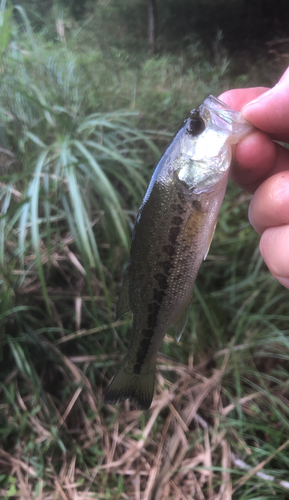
[172, 236]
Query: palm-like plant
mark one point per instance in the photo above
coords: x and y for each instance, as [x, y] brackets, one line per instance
[75, 170]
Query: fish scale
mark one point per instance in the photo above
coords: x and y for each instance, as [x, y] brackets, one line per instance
[171, 238]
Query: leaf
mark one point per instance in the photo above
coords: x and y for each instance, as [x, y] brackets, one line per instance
[34, 222]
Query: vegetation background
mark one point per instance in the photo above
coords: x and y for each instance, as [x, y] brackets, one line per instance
[86, 109]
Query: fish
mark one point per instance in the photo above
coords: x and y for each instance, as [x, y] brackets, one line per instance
[172, 235]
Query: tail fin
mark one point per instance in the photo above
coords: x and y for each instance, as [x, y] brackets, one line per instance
[139, 388]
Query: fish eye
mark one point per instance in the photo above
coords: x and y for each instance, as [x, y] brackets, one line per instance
[195, 126]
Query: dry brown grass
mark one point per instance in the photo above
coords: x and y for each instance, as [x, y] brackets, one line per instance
[179, 450]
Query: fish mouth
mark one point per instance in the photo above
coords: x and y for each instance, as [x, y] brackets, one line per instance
[224, 117]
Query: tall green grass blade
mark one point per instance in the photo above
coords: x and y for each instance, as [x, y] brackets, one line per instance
[5, 28]
[28, 28]
[3, 222]
[107, 193]
[34, 211]
[80, 215]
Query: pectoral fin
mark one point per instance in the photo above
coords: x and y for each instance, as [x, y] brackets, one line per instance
[123, 300]
[181, 321]
[211, 238]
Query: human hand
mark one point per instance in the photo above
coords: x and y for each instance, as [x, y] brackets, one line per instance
[263, 168]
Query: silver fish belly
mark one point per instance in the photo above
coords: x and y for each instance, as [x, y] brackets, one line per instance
[171, 238]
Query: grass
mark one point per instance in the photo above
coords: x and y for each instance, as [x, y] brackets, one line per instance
[82, 124]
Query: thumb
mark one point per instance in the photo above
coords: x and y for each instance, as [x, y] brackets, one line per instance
[269, 112]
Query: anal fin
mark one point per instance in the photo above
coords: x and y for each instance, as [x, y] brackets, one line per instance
[181, 321]
[210, 238]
